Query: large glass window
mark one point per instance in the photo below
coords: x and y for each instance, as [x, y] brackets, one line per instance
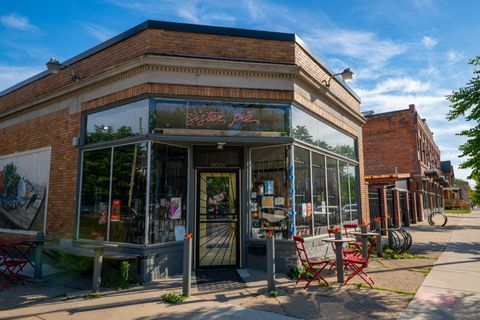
[353, 184]
[94, 208]
[269, 197]
[120, 122]
[168, 193]
[114, 193]
[220, 118]
[319, 194]
[316, 132]
[345, 207]
[333, 193]
[129, 177]
[303, 192]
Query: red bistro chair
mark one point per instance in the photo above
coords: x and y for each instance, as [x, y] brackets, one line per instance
[357, 264]
[345, 251]
[349, 228]
[9, 266]
[313, 265]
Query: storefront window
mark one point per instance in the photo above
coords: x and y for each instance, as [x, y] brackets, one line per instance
[119, 122]
[94, 198]
[220, 118]
[333, 193]
[316, 132]
[319, 194]
[129, 178]
[168, 193]
[269, 197]
[344, 192]
[353, 184]
[303, 200]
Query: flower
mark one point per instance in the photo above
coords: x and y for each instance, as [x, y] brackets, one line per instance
[270, 234]
[378, 219]
[333, 229]
[188, 235]
[365, 223]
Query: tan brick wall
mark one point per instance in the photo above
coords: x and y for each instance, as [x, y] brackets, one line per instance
[305, 61]
[185, 90]
[160, 42]
[55, 130]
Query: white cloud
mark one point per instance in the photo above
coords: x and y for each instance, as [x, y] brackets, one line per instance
[401, 85]
[361, 45]
[98, 32]
[454, 56]
[10, 76]
[429, 42]
[15, 21]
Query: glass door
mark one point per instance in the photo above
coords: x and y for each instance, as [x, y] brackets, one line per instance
[217, 216]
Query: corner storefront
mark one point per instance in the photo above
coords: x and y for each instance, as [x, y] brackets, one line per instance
[163, 145]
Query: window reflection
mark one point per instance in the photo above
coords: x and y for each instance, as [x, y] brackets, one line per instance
[129, 179]
[94, 195]
[319, 194]
[303, 201]
[120, 122]
[333, 194]
[346, 207]
[168, 193]
[352, 173]
[316, 132]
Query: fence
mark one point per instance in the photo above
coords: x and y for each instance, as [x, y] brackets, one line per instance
[390, 208]
[403, 208]
[375, 206]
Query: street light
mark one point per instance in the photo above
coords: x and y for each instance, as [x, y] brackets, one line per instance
[346, 74]
[53, 66]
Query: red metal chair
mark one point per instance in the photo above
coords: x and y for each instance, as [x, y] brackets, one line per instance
[357, 264]
[349, 228]
[345, 251]
[10, 266]
[313, 265]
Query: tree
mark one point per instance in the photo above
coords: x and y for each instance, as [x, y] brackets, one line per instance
[465, 102]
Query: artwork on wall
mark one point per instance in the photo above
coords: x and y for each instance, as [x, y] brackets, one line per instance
[24, 181]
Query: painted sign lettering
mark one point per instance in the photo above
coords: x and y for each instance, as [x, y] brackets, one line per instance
[202, 118]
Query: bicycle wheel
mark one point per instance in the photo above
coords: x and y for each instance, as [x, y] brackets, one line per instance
[437, 219]
[407, 240]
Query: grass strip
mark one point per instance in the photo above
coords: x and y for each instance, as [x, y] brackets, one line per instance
[458, 211]
[363, 285]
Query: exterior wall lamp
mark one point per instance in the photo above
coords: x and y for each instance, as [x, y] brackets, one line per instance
[54, 66]
[346, 74]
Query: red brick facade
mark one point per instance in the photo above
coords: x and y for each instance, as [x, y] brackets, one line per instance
[400, 142]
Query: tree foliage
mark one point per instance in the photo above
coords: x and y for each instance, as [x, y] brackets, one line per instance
[465, 102]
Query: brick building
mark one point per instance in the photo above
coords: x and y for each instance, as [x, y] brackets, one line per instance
[400, 152]
[170, 128]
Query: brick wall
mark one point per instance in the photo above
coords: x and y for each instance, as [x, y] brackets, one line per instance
[389, 142]
[56, 130]
[160, 42]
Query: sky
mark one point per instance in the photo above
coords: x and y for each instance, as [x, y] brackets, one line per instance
[402, 52]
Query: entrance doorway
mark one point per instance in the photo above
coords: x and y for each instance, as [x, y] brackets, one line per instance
[217, 217]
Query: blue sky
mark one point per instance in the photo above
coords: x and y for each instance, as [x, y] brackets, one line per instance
[403, 52]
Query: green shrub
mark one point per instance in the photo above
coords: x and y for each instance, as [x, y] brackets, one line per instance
[173, 297]
[273, 293]
[296, 272]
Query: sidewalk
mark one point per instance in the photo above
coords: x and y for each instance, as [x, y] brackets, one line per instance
[396, 282]
[452, 289]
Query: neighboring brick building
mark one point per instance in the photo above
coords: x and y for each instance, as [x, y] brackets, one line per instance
[168, 127]
[399, 150]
